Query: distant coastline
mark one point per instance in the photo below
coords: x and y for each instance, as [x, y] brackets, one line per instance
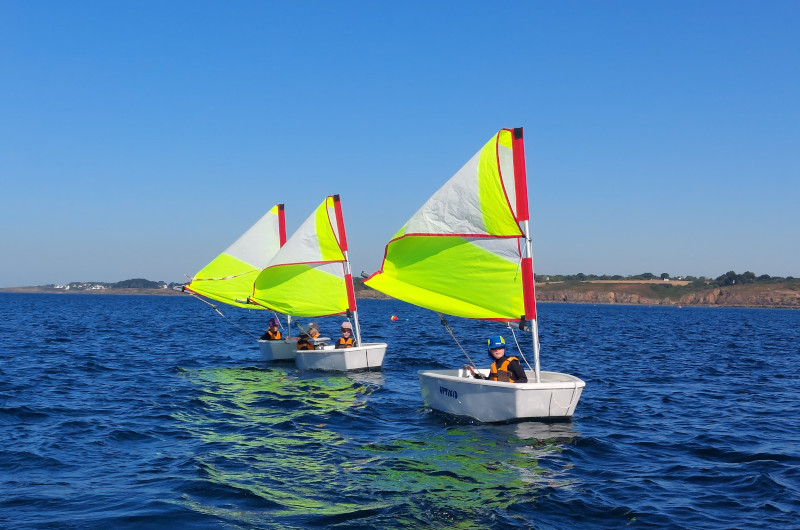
[38, 289]
[782, 294]
[151, 291]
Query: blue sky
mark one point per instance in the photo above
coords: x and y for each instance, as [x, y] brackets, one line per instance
[139, 139]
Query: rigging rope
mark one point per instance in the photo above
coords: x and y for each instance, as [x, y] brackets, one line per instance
[223, 316]
[450, 331]
[274, 314]
[513, 334]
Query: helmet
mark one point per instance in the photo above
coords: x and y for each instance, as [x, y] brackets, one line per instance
[347, 325]
[273, 322]
[496, 341]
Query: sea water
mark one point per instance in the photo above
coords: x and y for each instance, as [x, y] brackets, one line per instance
[156, 412]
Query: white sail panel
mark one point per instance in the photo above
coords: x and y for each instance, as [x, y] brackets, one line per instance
[259, 243]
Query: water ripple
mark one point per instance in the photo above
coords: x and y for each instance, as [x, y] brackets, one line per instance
[154, 412]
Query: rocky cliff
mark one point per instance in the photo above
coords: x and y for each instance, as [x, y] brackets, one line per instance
[733, 296]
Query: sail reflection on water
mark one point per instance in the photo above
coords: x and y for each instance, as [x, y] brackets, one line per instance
[310, 447]
[266, 432]
[461, 460]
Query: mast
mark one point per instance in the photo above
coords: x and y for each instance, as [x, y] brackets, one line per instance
[282, 239]
[523, 216]
[348, 276]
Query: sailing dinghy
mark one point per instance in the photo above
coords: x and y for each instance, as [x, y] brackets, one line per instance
[467, 252]
[229, 278]
[310, 277]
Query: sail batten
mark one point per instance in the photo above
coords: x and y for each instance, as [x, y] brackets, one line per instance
[461, 252]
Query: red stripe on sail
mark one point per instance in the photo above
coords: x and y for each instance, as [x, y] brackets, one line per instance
[282, 224]
[520, 176]
[348, 278]
[523, 214]
[340, 223]
[351, 293]
[528, 288]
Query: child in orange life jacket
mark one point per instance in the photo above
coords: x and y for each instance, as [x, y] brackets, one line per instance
[346, 340]
[313, 330]
[504, 369]
[273, 333]
[304, 343]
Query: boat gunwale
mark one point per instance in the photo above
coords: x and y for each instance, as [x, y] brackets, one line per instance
[328, 349]
[572, 382]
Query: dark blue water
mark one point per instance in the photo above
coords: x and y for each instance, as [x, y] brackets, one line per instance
[155, 412]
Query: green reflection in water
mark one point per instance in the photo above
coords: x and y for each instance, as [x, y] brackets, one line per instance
[281, 448]
[468, 472]
[264, 433]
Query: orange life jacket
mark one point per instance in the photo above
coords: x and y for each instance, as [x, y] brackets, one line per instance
[344, 342]
[503, 374]
[313, 333]
[273, 335]
[304, 345]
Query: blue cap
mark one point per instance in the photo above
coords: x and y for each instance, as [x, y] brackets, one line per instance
[497, 342]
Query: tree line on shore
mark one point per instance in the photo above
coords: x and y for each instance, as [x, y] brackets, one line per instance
[135, 283]
[727, 279]
[696, 282]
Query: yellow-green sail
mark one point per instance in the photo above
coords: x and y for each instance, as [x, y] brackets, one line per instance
[306, 278]
[229, 278]
[462, 252]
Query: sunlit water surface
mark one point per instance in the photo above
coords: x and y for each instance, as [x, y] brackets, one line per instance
[139, 411]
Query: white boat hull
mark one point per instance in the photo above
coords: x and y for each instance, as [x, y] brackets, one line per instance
[278, 350]
[284, 349]
[457, 392]
[364, 357]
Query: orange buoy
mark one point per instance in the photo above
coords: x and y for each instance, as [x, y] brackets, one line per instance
[394, 318]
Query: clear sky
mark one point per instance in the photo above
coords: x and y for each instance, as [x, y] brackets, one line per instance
[140, 139]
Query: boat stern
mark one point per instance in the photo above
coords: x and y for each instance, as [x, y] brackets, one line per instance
[278, 350]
